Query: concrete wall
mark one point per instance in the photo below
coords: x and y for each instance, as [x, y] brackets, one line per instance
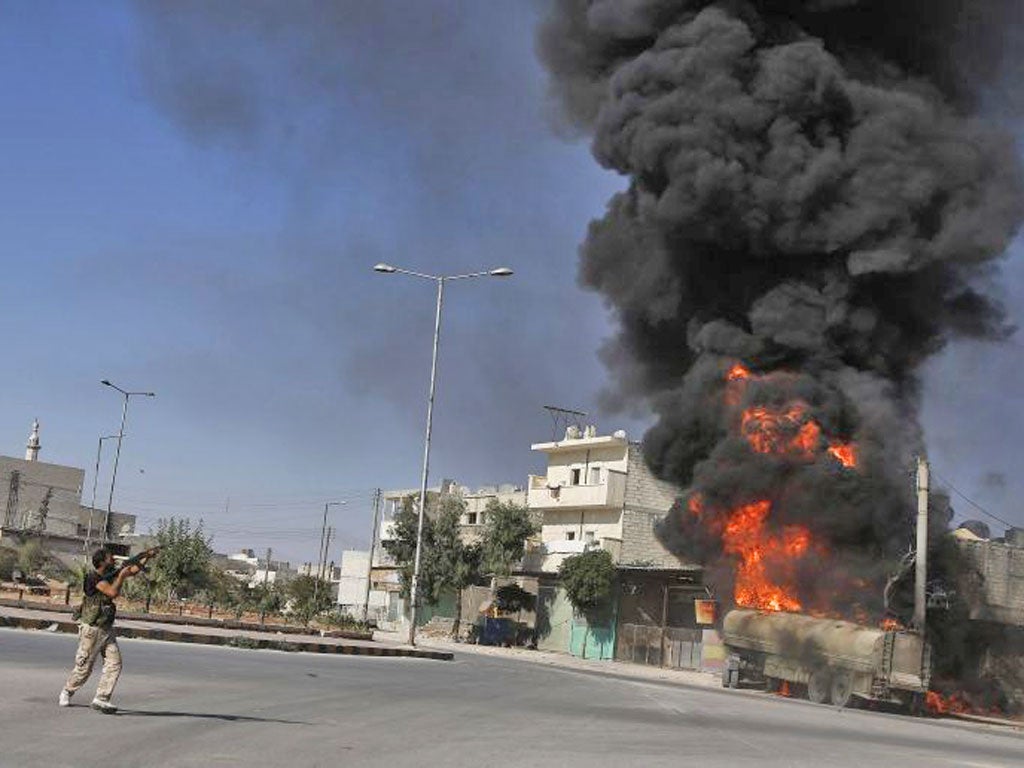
[1001, 568]
[352, 584]
[647, 501]
[35, 479]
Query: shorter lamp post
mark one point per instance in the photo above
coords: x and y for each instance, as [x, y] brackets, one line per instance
[117, 455]
[95, 479]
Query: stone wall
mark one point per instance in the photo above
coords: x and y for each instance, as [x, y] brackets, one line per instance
[1001, 568]
[647, 501]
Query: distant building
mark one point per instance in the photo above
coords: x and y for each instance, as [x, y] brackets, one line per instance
[475, 517]
[42, 499]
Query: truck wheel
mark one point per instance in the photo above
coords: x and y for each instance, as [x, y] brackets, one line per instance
[842, 689]
[819, 686]
[915, 705]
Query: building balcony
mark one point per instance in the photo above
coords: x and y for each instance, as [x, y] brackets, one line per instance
[609, 493]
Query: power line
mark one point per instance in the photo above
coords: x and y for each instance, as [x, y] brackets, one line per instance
[971, 501]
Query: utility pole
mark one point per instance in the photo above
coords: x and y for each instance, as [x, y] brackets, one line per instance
[325, 570]
[921, 563]
[373, 544]
[322, 554]
[266, 573]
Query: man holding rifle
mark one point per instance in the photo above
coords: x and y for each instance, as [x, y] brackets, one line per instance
[96, 635]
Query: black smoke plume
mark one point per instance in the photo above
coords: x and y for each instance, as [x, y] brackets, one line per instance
[813, 194]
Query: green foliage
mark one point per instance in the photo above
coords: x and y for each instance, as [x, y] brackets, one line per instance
[32, 556]
[8, 562]
[402, 544]
[447, 564]
[506, 532]
[452, 565]
[182, 567]
[309, 595]
[588, 579]
[338, 619]
[512, 598]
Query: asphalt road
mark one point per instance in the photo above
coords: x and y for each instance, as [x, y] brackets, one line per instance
[198, 706]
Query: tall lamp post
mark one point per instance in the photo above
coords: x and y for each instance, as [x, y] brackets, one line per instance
[117, 455]
[388, 269]
[95, 480]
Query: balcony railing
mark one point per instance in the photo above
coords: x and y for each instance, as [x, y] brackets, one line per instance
[545, 495]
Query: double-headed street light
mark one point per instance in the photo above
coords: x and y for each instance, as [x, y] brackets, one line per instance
[387, 269]
[120, 436]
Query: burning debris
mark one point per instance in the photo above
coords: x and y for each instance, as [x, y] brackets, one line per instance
[813, 210]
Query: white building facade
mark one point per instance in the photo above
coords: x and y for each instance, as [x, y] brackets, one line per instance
[598, 492]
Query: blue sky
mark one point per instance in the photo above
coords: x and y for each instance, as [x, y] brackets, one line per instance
[210, 237]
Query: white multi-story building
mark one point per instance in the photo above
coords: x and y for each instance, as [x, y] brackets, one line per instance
[598, 492]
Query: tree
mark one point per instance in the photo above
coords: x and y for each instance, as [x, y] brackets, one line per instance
[401, 545]
[447, 564]
[509, 526]
[588, 579]
[453, 564]
[182, 567]
[512, 598]
[310, 596]
[8, 561]
[32, 555]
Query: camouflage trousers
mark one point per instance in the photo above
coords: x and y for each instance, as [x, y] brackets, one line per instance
[93, 642]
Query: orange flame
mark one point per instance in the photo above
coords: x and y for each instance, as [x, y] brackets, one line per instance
[938, 704]
[844, 453]
[759, 553]
[782, 430]
[737, 373]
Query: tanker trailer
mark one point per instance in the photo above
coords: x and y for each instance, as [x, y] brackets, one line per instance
[836, 661]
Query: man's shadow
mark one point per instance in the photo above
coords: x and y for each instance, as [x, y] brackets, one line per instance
[205, 716]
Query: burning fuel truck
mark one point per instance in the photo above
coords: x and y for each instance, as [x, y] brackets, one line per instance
[835, 661]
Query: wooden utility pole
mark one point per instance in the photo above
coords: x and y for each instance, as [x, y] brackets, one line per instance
[373, 544]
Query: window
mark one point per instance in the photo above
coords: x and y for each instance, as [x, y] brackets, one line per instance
[471, 518]
[570, 535]
[575, 477]
[595, 475]
[588, 537]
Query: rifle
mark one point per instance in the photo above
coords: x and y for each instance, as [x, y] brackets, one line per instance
[140, 560]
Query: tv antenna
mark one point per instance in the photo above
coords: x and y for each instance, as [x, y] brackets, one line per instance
[562, 419]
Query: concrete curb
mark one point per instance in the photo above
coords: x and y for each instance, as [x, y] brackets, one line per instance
[196, 621]
[236, 641]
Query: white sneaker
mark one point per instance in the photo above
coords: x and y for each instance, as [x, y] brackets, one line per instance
[64, 700]
[101, 705]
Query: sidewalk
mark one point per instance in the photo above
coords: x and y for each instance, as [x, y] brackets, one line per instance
[58, 621]
[195, 621]
[620, 669]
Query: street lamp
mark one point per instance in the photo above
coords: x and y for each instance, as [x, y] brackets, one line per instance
[117, 455]
[322, 553]
[388, 269]
[95, 479]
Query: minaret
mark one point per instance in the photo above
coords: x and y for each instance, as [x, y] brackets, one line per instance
[32, 447]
